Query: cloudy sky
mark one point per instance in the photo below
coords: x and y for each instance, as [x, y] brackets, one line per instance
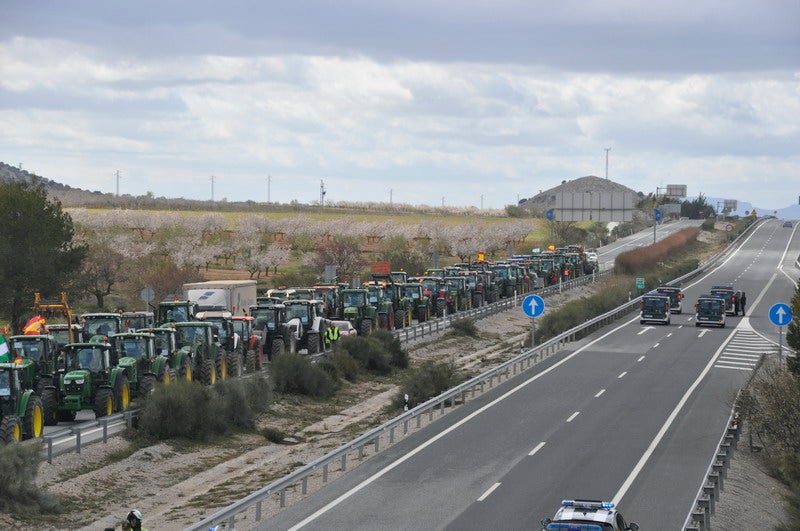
[421, 102]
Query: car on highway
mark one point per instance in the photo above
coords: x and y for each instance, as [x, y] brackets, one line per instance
[655, 308]
[710, 310]
[787, 224]
[587, 515]
[345, 328]
[675, 295]
[732, 297]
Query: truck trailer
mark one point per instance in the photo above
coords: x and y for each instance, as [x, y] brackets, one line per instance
[233, 296]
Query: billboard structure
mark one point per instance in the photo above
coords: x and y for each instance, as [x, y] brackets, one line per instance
[676, 190]
[729, 205]
[593, 206]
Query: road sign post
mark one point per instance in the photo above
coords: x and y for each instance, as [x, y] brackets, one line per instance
[533, 306]
[780, 315]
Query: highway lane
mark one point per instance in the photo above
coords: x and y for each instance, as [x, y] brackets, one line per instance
[650, 400]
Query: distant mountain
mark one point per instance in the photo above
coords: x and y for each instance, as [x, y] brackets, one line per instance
[743, 209]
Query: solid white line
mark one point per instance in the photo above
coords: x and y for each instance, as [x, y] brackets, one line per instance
[599, 394]
[572, 417]
[491, 490]
[660, 435]
[538, 447]
[623, 374]
[640, 358]
[452, 428]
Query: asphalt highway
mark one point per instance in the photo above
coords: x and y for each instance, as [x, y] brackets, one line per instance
[631, 414]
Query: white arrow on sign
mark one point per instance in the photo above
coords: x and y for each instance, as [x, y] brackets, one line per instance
[533, 305]
[781, 313]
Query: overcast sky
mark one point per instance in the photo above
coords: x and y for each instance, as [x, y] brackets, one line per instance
[421, 102]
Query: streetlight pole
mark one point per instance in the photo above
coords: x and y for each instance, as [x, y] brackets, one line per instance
[269, 186]
[607, 150]
[117, 183]
[212, 188]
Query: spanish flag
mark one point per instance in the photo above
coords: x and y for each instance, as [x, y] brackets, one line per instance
[34, 326]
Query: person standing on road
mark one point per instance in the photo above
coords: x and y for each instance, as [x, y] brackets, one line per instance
[742, 301]
[331, 335]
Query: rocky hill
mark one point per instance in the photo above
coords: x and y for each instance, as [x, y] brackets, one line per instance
[546, 199]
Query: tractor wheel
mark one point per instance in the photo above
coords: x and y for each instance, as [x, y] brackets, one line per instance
[400, 318]
[277, 348]
[147, 385]
[10, 429]
[164, 374]
[441, 305]
[44, 381]
[251, 361]
[366, 327]
[185, 370]
[381, 320]
[66, 415]
[422, 312]
[34, 418]
[222, 367]
[104, 403]
[477, 300]
[50, 406]
[123, 393]
[208, 372]
[235, 364]
[313, 343]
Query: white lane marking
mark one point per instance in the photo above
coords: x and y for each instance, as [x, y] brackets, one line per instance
[736, 368]
[660, 435]
[600, 393]
[572, 417]
[669, 335]
[703, 332]
[452, 428]
[491, 490]
[623, 374]
[538, 447]
[656, 345]
[722, 359]
[645, 329]
[640, 358]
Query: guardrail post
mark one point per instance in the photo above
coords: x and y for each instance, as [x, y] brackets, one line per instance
[77, 432]
[128, 416]
[50, 450]
[325, 473]
[378, 443]
[441, 407]
[258, 511]
[419, 421]
[391, 435]
[708, 489]
[305, 485]
[405, 427]
[104, 421]
[700, 518]
[344, 462]
[463, 396]
[283, 497]
[361, 452]
[705, 505]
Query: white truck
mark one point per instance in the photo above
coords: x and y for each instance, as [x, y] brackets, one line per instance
[233, 296]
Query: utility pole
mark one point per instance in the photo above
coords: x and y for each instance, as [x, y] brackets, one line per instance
[117, 183]
[212, 188]
[607, 150]
[390, 197]
[481, 201]
[269, 185]
[442, 200]
[322, 193]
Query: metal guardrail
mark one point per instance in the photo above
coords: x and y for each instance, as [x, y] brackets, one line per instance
[388, 432]
[126, 417]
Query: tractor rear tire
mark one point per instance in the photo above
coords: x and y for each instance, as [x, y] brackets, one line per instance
[382, 320]
[104, 403]
[422, 313]
[251, 361]
[312, 342]
[400, 318]
[164, 374]
[185, 370]
[34, 418]
[276, 348]
[44, 382]
[235, 364]
[50, 406]
[222, 367]
[441, 305]
[10, 429]
[147, 386]
[366, 327]
[208, 372]
[477, 300]
[122, 392]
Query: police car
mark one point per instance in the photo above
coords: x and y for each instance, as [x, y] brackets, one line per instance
[587, 515]
[710, 310]
[675, 297]
[731, 298]
[655, 308]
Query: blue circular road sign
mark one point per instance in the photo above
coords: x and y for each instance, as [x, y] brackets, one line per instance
[780, 314]
[533, 305]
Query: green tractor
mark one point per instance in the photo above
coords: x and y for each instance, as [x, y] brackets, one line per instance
[198, 342]
[418, 303]
[101, 324]
[36, 355]
[166, 344]
[381, 300]
[136, 353]
[21, 412]
[358, 311]
[269, 322]
[403, 308]
[248, 342]
[227, 339]
[175, 310]
[90, 379]
[458, 294]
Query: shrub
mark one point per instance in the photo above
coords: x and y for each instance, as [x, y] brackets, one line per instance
[464, 327]
[183, 409]
[397, 356]
[647, 258]
[427, 381]
[292, 373]
[708, 224]
[346, 366]
[19, 466]
[378, 353]
[273, 435]
[243, 399]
